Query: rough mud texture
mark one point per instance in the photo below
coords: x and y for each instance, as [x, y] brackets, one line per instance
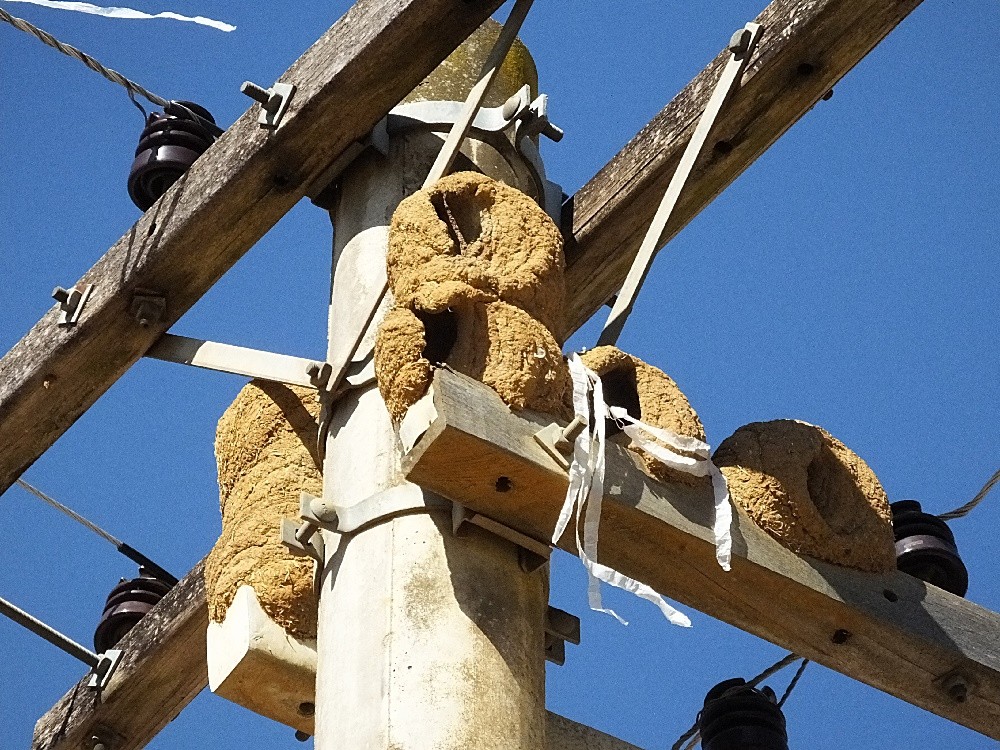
[810, 492]
[493, 342]
[469, 238]
[265, 446]
[476, 271]
[649, 394]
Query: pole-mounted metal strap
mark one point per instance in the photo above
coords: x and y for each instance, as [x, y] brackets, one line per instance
[439, 169]
[741, 48]
[453, 143]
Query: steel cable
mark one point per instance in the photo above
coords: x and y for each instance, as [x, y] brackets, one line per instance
[964, 510]
[114, 76]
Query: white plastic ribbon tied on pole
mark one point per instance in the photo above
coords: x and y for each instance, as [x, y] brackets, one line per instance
[586, 488]
[662, 444]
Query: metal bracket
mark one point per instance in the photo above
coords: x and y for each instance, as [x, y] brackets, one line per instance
[530, 118]
[273, 102]
[741, 47]
[560, 627]
[71, 302]
[107, 662]
[558, 441]
[148, 307]
[532, 554]
[304, 540]
[320, 191]
[510, 135]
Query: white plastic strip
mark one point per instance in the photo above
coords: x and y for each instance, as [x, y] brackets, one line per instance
[700, 466]
[586, 488]
[130, 13]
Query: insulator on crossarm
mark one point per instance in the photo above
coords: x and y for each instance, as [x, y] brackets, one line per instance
[926, 549]
[128, 602]
[736, 717]
[168, 146]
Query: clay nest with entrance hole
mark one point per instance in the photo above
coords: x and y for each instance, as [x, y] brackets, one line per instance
[810, 492]
[476, 271]
[648, 394]
[265, 446]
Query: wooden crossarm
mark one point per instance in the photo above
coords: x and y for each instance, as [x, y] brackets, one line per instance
[348, 80]
[891, 631]
[162, 670]
[806, 47]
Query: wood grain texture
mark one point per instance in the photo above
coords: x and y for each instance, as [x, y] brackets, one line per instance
[162, 670]
[806, 47]
[364, 64]
[890, 631]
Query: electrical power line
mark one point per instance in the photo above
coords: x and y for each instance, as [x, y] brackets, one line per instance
[114, 76]
[130, 552]
[692, 736]
[964, 510]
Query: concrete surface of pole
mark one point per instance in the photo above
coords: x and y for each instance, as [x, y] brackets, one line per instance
[426, 640]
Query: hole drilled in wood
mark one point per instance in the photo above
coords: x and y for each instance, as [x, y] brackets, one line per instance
[722, 147]
[504, 484]
[806, 69]
[307, 708]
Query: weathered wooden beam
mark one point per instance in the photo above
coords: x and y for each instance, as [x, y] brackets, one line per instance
[806, 47]
[890, 631]
[364, 64]
[162, 670]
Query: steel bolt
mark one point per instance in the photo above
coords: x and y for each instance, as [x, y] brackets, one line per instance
[59, 294]
[740, 41]
[267, 98]
[511, 106]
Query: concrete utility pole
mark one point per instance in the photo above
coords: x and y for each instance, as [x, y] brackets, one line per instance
[426, 640]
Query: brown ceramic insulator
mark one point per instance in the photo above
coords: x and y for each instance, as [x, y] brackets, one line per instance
[128, 602]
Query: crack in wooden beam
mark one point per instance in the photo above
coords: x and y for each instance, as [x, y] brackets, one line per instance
[902, 636]
[806, 47]
[346, 82]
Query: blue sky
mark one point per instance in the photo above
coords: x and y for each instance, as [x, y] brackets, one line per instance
[849, 279]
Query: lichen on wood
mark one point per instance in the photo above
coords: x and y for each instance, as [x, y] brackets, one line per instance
[810, 492]
[266, 451]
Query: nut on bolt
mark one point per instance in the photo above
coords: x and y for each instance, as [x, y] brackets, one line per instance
[148, 308]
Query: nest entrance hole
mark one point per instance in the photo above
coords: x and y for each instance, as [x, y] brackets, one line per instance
[620, 390]
[440, 334]
[828, 481]
[462, 214]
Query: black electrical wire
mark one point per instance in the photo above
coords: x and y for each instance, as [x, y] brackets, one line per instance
[130, 552]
